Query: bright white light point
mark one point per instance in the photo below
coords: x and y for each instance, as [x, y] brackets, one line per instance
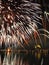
[8, 16]
[9, 8]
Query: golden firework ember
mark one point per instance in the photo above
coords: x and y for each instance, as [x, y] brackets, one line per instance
[8, 51]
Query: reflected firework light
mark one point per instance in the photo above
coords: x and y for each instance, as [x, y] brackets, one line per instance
[8, 51]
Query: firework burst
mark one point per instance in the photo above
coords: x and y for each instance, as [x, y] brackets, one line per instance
[20, 24]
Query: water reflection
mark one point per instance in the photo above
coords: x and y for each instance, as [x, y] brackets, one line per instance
[35, 57]
[13, 58]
